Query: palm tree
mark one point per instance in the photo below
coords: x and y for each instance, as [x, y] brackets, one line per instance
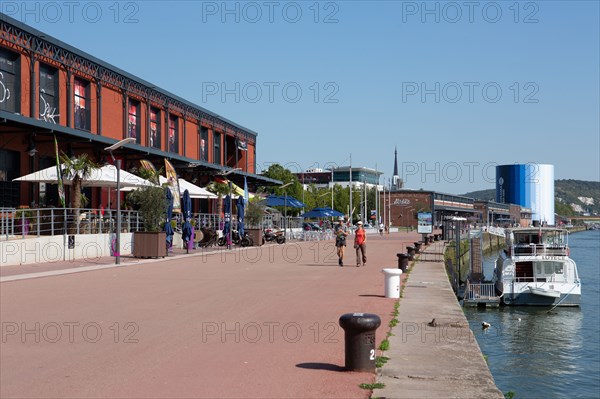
[77, 169]
[221, 190]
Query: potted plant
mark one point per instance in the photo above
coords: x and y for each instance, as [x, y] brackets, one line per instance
[255, 210]
[151, 203]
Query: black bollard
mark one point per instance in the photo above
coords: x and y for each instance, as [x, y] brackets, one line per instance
[417, 247]
[426, 240]
[436, 237]
[402, 262]
[359, 340]
[411, 252]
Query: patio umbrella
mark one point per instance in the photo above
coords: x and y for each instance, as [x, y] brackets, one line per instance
[168, 227]
[227, 213]
[241, 204]
[106, 176]
[280, 200]
[194, 191]
[187, 231]
[321, 213]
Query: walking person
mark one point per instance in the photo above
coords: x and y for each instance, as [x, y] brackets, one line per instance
[341, 232]
[360, 244]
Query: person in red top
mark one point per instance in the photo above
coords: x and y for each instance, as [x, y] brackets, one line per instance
[360, 244]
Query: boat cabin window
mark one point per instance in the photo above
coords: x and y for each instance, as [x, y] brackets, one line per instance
[548, 268]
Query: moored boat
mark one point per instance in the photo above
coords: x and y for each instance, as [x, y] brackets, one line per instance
[535, 269]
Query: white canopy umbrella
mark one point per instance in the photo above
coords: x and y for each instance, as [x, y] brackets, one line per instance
[106, 176]
[195, 191]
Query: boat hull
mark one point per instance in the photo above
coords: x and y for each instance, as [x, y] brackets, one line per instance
[529, 299]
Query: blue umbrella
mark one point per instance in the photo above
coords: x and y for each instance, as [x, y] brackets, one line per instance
[280, 200]
[168, 227]
[240, 214]
[227, 213]
[321, 213]
[187, 232]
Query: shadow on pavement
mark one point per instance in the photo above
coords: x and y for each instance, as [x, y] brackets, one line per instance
[320, 366]
[319, 264]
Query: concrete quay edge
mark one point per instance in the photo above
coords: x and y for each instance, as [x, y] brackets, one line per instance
[440, 360]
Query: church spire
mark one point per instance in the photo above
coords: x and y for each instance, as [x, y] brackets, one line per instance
[395, 161]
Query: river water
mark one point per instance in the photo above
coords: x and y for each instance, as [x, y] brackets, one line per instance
[537, 354]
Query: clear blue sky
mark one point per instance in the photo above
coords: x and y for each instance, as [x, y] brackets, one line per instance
[371, 62]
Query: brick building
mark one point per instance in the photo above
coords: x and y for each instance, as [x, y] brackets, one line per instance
[48, 89]
[400, 207]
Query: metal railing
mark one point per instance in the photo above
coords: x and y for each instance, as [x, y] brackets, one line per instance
[23, 223]
[539, 250]
[480, 291]
[311, 235]
[497, 231]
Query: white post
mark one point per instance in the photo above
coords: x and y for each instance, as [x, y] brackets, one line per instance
[118, 236]
[350, 180]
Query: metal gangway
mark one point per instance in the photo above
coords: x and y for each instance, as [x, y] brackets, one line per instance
[481, 294]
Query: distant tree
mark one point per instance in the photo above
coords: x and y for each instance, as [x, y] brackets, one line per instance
[284, 175]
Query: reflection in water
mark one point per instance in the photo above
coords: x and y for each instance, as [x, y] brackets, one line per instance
[537, 353]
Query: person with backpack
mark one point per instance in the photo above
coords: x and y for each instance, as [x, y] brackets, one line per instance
[341, 232]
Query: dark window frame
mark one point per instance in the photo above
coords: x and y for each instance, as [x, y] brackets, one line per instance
[138, 125]
[49, 101]
[203, 135]
[10, 81]
[154, 142]
[173, 131]
[217, 147]
[78, 114]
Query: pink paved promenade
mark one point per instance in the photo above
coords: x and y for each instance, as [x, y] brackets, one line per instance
[240, 324]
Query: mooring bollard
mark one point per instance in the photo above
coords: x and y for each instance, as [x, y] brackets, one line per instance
[426, 240]
[392, 282]
[417, 247]
[359, 340]
[410, 250]
[402, 262]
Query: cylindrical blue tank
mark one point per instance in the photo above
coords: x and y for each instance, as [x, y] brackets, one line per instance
[529, 185]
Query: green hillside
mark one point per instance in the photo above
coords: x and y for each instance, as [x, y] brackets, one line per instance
[572, 197]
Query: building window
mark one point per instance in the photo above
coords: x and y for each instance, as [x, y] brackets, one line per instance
[10, 193]
[133, 122]
[82, 104]
[155, 128]
[203, 144]
[217, 149]
[173, 134]
[48, 94]
[9, 82]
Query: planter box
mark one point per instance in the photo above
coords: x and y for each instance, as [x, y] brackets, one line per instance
[256, 235]
[150, 244]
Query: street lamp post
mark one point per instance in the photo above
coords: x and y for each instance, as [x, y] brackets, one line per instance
[322, 195]
[285, 208]
[117, 162]
[229, 184]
